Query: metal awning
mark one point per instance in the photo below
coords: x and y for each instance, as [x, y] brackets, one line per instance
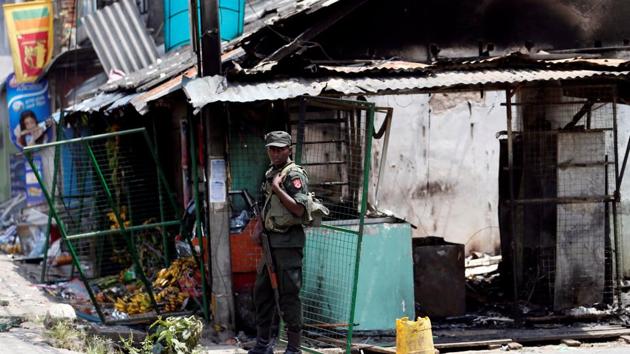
[207, 90]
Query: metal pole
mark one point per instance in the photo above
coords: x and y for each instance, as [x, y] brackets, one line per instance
[194, 32]
[623, 166]
[510, 134]
[64, 234]
[618, 247]
[210, 38]
[388, 124]
[616, 146]
[369, 108]
[54, 190]
[200, 237]
[608, 269]
[167, 256]
[82, 139]
[121, 225]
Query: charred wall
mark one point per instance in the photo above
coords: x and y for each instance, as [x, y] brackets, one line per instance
[405, 28]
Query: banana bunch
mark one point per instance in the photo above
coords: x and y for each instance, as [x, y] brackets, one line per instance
[172, 298]
[168, 277]
[114, 220]
[135, 304]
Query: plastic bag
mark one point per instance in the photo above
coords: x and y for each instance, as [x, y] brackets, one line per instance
[237, 224]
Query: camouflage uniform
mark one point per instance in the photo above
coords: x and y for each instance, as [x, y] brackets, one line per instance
[286, 238]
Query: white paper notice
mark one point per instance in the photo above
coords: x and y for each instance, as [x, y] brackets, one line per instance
[217, 181]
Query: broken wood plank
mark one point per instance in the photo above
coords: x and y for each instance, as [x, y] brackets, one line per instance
[567, 318]
[576, 335]
[358, 346]
[472, 344]
[485, 338]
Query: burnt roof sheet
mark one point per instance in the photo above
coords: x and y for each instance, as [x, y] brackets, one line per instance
[217, 89]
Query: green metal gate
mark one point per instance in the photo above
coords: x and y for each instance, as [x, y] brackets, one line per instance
[116, 215]
[333, 144]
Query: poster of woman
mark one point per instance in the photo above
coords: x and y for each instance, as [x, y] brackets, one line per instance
[29, 112]
[30, 123]
[30, 132]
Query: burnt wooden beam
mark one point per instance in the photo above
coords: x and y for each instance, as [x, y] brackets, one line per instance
[586, 108]
[312, 32]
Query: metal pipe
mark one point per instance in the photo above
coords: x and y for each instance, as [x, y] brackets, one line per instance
[623, 165]
[618, 247]
[388, 126]
[608, 271]
[200, 236]
[369, 126]
[121, 223]
[616, 145]
[54, 190]
[116, 231]
[82, 139]
[565, 200]
[62, 228]
[510, 136]
[340, 229]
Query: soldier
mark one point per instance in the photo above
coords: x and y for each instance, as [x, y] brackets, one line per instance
[286, 202]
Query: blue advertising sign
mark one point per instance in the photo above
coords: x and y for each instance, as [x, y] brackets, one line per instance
[29, 112]
[34, 192]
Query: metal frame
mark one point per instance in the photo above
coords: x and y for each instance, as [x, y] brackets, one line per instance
[369, 108]
[613, 199]
[127, 232]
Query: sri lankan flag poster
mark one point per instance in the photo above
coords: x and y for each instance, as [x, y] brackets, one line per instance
[30, 31]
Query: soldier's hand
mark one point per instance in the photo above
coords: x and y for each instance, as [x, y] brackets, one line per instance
[277, 180]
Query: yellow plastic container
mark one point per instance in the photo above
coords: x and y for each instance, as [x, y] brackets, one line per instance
[414, 337]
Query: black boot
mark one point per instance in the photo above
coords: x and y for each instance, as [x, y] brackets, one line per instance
[263, 346]
[294, 341]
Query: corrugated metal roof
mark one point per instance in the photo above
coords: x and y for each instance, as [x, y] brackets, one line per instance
[216, 89]
[173, 63]
[141, 101]
[610, 63]
[96, 103]
[518, 59]
[380, 67]
[119, 37]
[377, 67]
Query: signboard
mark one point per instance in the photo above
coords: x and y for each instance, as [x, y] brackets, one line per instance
[34, 192]
[29, 112]
[30, 32]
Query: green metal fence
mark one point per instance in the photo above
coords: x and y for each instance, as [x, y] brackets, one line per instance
[112, 205]
[334, 140]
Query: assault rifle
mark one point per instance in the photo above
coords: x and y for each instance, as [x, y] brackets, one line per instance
[266, 246]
